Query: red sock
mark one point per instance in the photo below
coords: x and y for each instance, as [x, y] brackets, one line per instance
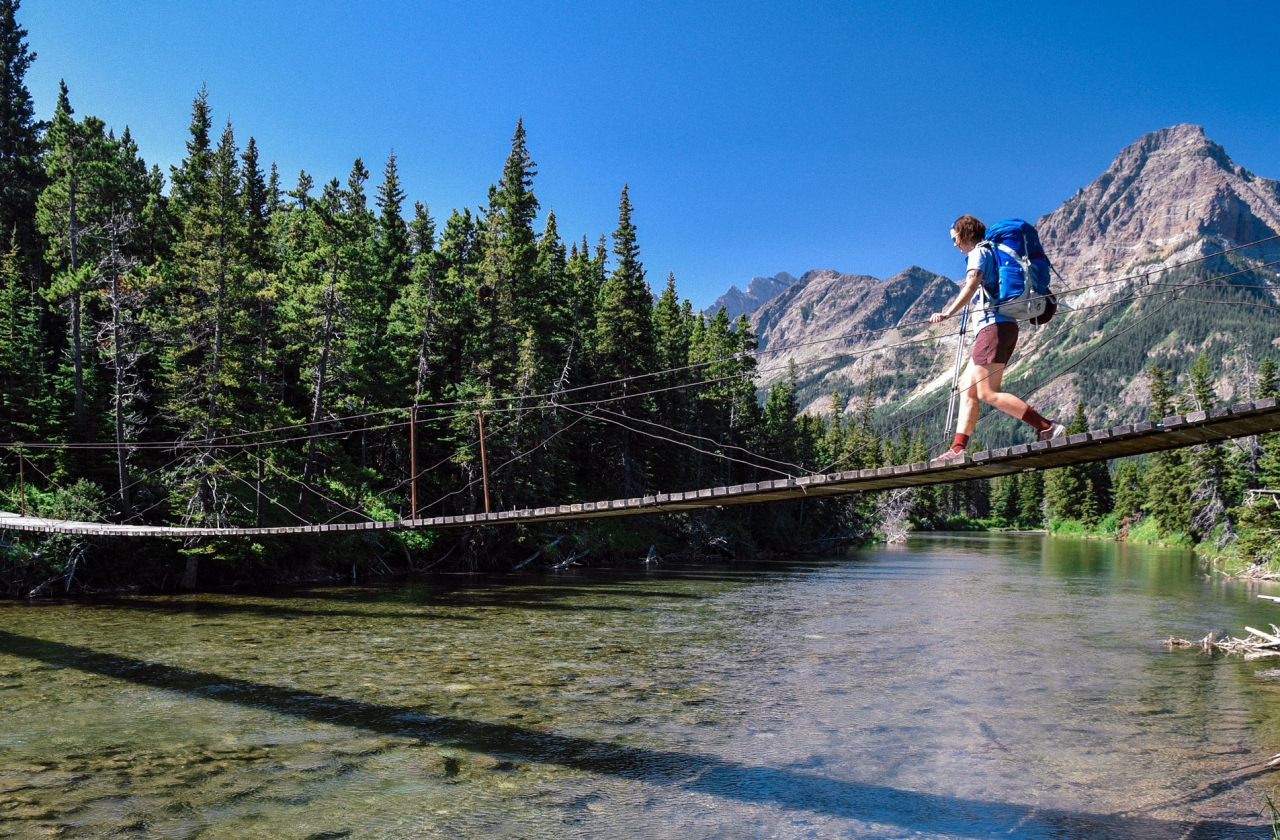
[960, 443]
[1037, 422]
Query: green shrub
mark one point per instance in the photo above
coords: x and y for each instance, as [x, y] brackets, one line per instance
[1147, 532]
[1067, 527]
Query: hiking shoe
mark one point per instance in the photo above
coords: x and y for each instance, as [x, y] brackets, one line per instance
[1054, 431]
[949, 457]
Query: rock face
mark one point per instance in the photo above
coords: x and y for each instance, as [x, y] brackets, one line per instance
[826, 309]
[759, 291]
[1165, 192]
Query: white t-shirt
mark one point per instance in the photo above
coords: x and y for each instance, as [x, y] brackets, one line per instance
[984, 259]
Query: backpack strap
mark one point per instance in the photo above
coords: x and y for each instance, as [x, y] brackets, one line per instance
[988, 303]
[1012, 253]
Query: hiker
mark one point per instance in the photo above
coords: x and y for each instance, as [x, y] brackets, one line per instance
[997, 336]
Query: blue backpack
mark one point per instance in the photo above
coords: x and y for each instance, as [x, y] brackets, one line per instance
[1019, 258]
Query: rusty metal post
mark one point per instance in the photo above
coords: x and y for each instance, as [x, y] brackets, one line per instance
[22, 482]
[413, 461]
[484, 464]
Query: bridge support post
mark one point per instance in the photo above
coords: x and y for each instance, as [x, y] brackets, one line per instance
[22, 482]
[413, 461]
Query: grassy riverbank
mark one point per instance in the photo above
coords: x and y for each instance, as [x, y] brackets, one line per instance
[1224, 557]
[1110, 527]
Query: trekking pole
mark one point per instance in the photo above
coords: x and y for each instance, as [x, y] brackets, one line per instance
[955, 373]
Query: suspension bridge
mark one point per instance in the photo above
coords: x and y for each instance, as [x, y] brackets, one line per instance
[1175, 432]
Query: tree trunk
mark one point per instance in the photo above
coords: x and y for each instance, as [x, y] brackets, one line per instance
[188, 580]
[257, 498]
[322, 372]
[126, 510]
[76, 354]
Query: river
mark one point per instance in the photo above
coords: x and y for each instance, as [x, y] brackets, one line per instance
[952, 686]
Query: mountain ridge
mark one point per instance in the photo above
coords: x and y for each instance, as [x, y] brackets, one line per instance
[759, 291]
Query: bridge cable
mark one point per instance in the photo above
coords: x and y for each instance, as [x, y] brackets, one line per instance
[682, 443]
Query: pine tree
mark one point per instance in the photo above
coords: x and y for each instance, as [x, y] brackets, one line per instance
[781, 433]
[22, 386]
[378, 267]
[624, 324]
[1031, 500]
[555, 326]
[508, 296]
[1168, 496]
[413, 325]
[21, 173]
[673, 408]
[209, 314]
[1206, 467]
[191, 177]
[1130, 495]
[1259, 513]
[261, 201]
[80, 165]
[1004, 499]
[671, 331]
[339, 315]
[517, 207]
[1269, 460]
[834, 448]
[1066, 489]
[624, 340]
[1260, 529]
[1268, 381]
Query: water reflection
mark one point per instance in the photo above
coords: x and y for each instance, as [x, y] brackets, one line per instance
[957, 687]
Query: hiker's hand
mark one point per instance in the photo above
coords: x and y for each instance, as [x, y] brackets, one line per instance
[937, 318]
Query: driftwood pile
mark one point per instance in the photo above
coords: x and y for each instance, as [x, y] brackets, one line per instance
[1256, 645]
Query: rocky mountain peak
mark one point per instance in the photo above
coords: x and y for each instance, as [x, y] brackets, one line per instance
[1166, 191]
[830, 306]
[759, 291]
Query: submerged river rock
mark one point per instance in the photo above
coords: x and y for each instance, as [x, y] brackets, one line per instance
[954, 686]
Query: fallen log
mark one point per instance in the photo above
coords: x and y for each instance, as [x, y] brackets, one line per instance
[1256, 645]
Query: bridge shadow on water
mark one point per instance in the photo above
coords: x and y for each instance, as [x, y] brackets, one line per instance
[706, 774]
[200, 606]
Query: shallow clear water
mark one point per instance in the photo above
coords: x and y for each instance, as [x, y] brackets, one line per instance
[1011, 686]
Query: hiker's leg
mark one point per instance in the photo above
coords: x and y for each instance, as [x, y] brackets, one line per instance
[968, 416]
[991, 352]
[989, 392]
[987, 385]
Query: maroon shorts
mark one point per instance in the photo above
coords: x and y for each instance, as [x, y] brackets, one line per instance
[995, 343]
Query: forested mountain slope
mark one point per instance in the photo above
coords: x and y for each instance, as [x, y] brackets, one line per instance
[1170, 197]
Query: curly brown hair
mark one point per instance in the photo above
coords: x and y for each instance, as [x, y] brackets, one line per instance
[969, 229]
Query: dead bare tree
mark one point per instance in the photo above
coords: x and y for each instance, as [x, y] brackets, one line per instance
[893, 514]
[120, 336]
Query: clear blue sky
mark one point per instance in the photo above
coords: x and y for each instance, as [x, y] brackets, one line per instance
[756, 137]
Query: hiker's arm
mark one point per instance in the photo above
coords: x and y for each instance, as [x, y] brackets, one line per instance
[967, 291]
